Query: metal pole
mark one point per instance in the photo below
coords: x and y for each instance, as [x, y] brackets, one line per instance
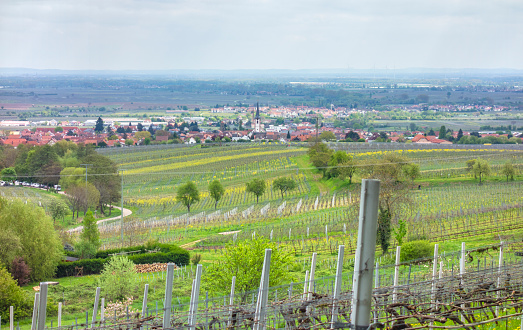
[261, 305]
[434, 271]
[194, 302]
[95, 309]
[305, 286]
[102, 311]
[59, 314]
[337, 285]
[462, 272]
[311, 275]
[396, 274]
[500, 264]
[144, 303]
[121, 216]
[35, 311]
[365, 253]
[43, 306]
[11, 318]
[86, 206]
[168, 295]
[231, 301]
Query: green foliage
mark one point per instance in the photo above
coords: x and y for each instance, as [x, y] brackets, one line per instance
[320, 155]
[347, 169]
[257, 187]
[400, 231]
[245, 261]
[118, 278]
[72, 176]
[284, 184]
[216, 191]
[327, 136]
[12, 295]
[40, 245]
[195, 259]
[416, 250]
[442, 132]
[8, 174]
[508, 170]
[99, 126]
[481, 168]
[9, 248]
[384, 230]
[337, 158]
[188, 194]
[412, 171]
[90, 233]
[57, 209]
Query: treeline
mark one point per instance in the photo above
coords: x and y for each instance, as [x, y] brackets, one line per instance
[65, 163]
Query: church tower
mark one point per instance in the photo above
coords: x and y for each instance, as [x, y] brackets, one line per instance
[257, 120]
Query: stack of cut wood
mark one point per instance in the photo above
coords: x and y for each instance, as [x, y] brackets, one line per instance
[148, 268]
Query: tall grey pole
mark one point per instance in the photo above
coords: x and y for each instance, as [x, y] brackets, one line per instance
[168, 295]
[263, 294]
[43, 306]
[121, 216]
[365, 253]
[35, 311]
[193, 309]
[95, 308]
[231, 301]
[337, 286]
[144, 302]
[311, 275]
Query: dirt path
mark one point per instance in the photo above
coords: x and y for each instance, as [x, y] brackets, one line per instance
[187, 245]
[126, 212]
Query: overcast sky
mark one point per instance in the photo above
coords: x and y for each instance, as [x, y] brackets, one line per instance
[260, 34]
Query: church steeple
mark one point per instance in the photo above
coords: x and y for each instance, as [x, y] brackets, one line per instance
[257, 119]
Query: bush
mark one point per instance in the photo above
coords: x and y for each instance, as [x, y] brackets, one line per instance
[118, 278]
[416, 250]
[20, 271]
[196, 259]
[94, 266]
[12, 295]
[90, 266]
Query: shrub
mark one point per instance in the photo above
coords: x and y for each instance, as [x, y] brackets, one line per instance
[416, 250]
[90, 266]
[196, 258]
[118, 278]
[20, 271]
[12, 295]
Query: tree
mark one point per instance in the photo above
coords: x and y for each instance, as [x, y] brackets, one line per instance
[40, 245]
[508, 170]
[337, 158]
[118, 278]
[8, 174]
[57, 209]
[481, 168]
[104, 176]
[460, 134]
[347, 169]
[10, 248]
[20, 271]
[89, 237]
[188, 194]
[392, 171]
[245, 261]
[352, 136]
[431, 133]
[470, 166]
[327, 136]
[256, 187]
[442, 132]
[12, 295]
[151, 129]
[99, 126]
[58, 129]
[216, 191]
[288, 135]
[139, 127]
[320, 155]
[82, 197]
[284, 184]
[142, 135]
[71, 176]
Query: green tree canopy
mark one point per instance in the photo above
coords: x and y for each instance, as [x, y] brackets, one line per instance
[8, 174]
[481, 168]
[256, 187]
[216, 191]
[320, 155]
[99, 126]
[188, 194]
[284, 184]
[245, 261]
[40, 245]
[103, 174]
[327, 136]
[508, 170]
[118, 278]
[12, 295]
[90, 236]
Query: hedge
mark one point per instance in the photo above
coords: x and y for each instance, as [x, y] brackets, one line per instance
[95, 266]
[142, 248]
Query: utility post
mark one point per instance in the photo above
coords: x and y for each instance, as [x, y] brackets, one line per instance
[86, 199]
[121, 215]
